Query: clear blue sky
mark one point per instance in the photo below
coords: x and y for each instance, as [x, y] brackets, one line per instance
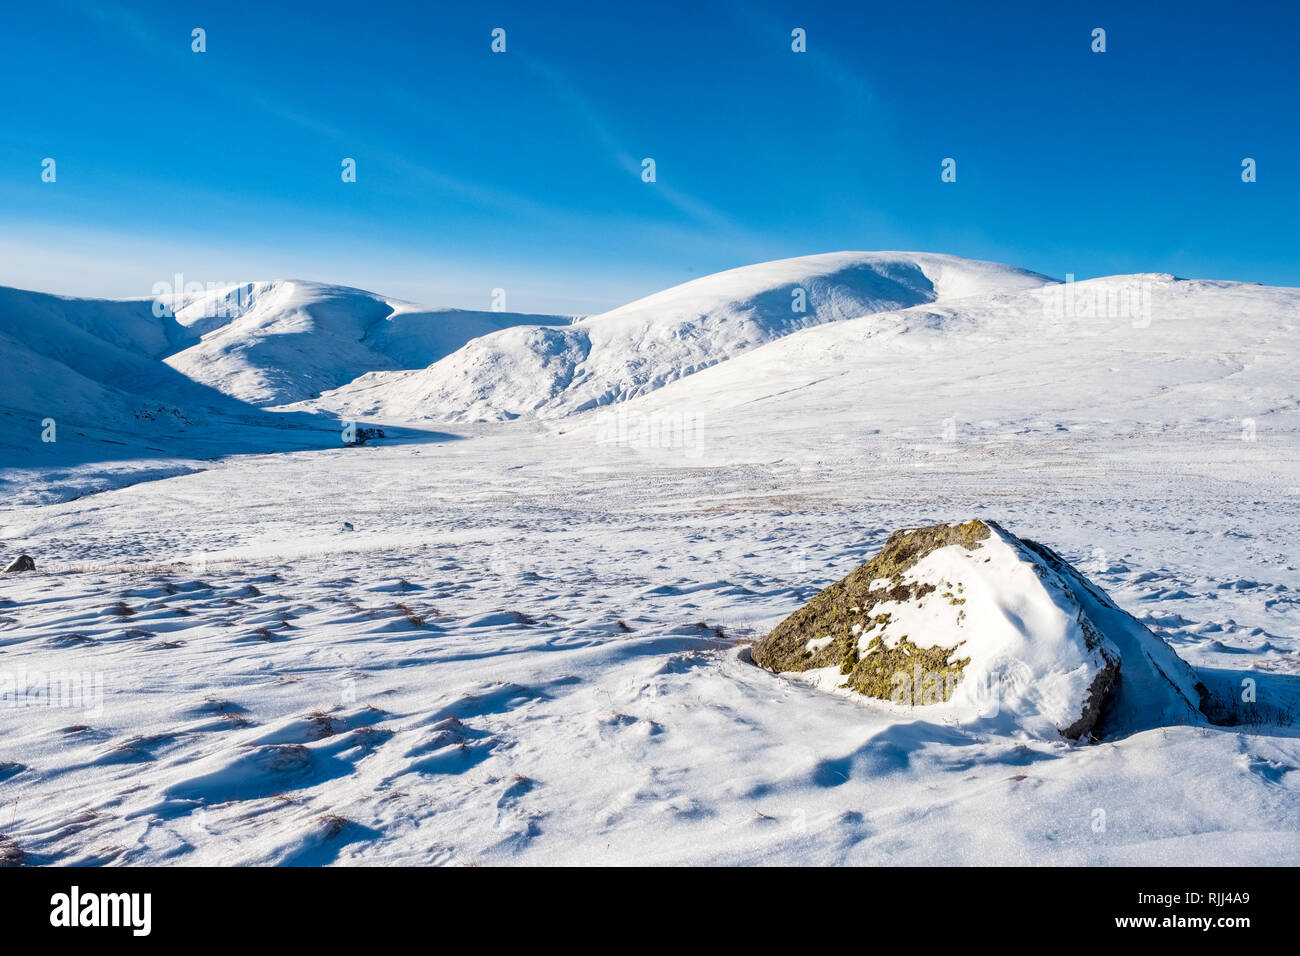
[479, 170]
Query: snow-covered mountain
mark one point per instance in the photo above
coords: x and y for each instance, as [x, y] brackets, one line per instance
[117, 374]
[273, 343]
[93, 367]
[889, 347]
[1143, 356]
[98, 380]
[637, 348]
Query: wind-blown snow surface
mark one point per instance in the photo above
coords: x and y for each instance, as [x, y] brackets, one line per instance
[450, 682]
[637, 348]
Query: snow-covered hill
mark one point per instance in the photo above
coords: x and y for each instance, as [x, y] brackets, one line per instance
[274, 343]
[639, 347]
[1142, 357]
[104, 364]
[111, 391]
[84, 379]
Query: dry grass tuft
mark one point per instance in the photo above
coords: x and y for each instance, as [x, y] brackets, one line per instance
[332, 824]
[11, 853]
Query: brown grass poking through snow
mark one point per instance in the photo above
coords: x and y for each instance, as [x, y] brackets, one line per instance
[10, 853]
[414, 619]
[332, 825]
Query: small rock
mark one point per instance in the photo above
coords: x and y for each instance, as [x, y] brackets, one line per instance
[21, 563]
[363, 435]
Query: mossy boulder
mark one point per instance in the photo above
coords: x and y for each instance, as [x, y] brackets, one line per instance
[972, 619]
[845, 610]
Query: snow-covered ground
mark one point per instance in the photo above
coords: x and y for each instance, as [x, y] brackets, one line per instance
[531, 645]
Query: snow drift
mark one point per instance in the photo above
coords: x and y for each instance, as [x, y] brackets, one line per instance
[977, 624]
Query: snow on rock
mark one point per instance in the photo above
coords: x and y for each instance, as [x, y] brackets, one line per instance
[980, 625]
[639, 347]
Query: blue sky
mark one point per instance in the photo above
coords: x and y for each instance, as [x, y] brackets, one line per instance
[522, 170]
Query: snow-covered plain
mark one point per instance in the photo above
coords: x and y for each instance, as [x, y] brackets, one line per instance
[531, 645]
